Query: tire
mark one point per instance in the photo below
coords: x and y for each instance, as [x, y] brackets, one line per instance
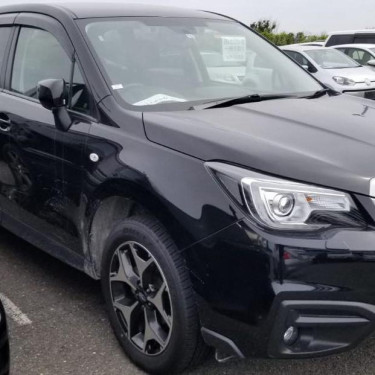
[150, 299]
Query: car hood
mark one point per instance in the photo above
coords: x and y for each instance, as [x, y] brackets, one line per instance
[328, 141]
[359, 74]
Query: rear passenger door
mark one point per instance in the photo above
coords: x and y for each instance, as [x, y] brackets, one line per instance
[6, 177]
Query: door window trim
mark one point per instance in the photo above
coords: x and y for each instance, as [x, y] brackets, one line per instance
[52, 26]
[7, 20]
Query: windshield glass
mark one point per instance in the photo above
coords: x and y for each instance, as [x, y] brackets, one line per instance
[372, 50]
[176, 62]
[331, 59]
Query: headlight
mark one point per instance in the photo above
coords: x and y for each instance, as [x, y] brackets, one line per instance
[344, 81]
[286, 205]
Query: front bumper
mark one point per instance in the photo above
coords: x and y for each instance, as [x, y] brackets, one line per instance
[251, 287]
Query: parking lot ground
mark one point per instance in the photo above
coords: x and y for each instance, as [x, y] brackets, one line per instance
[68, 331]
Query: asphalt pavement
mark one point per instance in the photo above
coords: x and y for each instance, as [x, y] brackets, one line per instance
[60, 327]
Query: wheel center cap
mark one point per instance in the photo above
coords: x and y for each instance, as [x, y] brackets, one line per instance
[142, 298]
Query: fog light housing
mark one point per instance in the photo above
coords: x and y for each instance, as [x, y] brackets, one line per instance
[290, 335]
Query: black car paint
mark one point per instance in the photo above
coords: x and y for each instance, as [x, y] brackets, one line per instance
[4, 343]
[66, 204]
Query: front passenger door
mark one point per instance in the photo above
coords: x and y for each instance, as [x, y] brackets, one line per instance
[6, 177]
[35, 152]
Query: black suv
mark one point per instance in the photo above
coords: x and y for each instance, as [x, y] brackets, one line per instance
[223, 196]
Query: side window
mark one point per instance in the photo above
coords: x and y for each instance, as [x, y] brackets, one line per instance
[359, 55]
[339, 39]
[4, 37]
[301, 60]
[291, 54]
[39, 56]
[79, 97]
[370, 39]
[354, 54]
[343, 50]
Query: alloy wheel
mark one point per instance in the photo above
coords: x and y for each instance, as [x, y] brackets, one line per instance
[141, 298]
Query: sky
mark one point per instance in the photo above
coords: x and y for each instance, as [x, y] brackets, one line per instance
[310, 16]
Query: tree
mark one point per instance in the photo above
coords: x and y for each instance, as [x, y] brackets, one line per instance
[268, 29]
[264, 26]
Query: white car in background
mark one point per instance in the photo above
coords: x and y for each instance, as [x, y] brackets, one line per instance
[364, 54]
[335, 70]
[318, 43]
[350, 37]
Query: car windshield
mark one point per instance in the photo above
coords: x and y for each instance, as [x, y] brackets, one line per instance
[155, 62]
[372, 50]
[331, 59]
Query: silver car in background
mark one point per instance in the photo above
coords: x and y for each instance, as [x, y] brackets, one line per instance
[335, 70]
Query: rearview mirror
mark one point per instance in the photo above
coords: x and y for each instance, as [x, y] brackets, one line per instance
[52, 95]
[371, 63]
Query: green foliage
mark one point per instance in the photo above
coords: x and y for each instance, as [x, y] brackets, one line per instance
[268, 29]
[264, 26]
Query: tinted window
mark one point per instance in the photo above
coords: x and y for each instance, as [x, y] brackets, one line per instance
[4, 37]
[301, 60]
[39, 56]
[364, 39]
[335, 40]
[298, 57]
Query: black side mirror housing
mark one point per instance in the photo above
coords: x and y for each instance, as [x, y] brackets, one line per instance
[52, 94]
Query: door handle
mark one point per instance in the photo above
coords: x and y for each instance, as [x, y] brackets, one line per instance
[4, 122]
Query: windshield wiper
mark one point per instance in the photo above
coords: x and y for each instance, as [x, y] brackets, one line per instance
[320, 93]
[240, 100]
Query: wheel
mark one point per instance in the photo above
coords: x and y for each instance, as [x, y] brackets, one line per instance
[150, 299]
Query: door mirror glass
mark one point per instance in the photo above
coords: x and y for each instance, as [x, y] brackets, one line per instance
[52, 94]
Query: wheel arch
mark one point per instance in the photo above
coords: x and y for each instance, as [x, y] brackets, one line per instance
[114, 201]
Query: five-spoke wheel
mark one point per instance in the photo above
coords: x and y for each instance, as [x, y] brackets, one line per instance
[150, 299]
[141, 297]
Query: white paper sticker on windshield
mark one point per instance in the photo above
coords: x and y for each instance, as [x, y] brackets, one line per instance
[159, 98]
[234, 48]
[119, 86]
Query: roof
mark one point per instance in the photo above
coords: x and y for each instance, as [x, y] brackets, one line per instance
[306, 44]
[104, 9]
[355, 45]
[299, 48]
[363, 31]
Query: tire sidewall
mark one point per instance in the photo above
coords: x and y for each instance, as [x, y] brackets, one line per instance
[133, 231]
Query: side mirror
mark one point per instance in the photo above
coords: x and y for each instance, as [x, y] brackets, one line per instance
[371, 63]
[306, 67]
[52, 95]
